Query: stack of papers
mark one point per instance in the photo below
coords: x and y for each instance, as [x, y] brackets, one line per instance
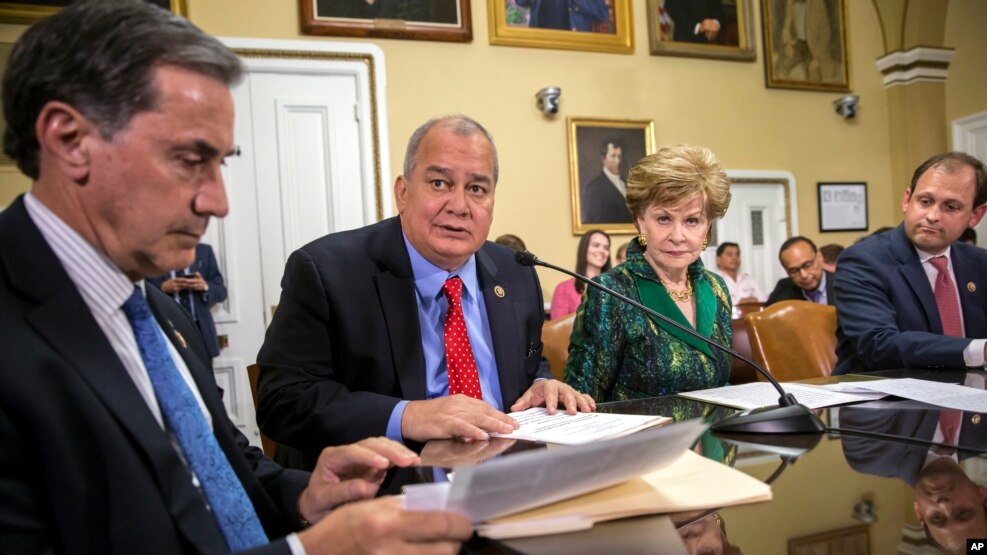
[755, 395]
[946, 395]
[579, 428]
[643, 473]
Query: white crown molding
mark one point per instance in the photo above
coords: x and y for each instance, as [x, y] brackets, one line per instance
[919, 64]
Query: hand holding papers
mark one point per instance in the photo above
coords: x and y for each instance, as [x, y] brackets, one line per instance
[575, 429]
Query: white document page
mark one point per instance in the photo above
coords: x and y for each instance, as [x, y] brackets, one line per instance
[535, 478]
[575, 429]
[762, 394]
[947, 395]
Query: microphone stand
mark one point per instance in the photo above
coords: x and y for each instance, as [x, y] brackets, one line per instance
[789, 417]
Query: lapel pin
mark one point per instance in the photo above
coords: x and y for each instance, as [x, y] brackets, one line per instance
[499, 291]
[975, 419]
[180, 339]
[971, 287]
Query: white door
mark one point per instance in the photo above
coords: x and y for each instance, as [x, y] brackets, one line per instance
[970, 136]
[762, 215]
[310, 160]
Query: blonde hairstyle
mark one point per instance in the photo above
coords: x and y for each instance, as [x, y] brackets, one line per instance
[675, 174]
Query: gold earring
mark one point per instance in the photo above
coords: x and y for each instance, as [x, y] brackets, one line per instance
[643, 240]
[705, 243]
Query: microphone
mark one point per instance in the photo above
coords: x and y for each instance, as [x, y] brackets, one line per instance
[789, 417]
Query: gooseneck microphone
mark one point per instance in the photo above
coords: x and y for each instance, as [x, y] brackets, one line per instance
[789, 417]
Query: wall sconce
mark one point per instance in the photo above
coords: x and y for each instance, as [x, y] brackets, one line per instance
[846, 106]
[864, 512]
[548, 100]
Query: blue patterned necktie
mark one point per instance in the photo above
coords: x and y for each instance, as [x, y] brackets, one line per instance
[227, 498]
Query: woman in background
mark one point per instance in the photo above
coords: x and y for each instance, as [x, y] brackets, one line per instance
[617, 352]
[592, 259]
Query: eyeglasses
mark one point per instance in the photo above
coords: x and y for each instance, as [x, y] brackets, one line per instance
[792, 272]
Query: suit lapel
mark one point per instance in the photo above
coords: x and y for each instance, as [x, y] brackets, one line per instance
[972, 300]
[64, 321]
[911, 269]
[503, 327]
[396, 296]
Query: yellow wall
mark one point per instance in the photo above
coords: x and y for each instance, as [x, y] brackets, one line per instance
[966, 88]
[723, 105]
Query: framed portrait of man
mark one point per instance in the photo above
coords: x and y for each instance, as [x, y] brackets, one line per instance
[720, 29]
[27, 12]
[597, 25]
[805, 45]
[600, 154]
[441, 20]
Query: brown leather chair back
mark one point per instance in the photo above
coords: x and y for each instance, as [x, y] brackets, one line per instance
[750, 306]
[741, 372]
[267, 444]
[555, 343]
[794, 340]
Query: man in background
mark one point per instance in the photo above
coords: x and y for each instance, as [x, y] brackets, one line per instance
[742, 287]
[197, 288]
[115, 438]
[415, 327]
[603, 200]
[914, 297]
[830, 253]
[806, 281]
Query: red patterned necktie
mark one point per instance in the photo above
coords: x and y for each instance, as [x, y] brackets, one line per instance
[945, 292]
[949, 424]
[460, 364]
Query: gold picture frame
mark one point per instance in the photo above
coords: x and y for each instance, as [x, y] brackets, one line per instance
[853, 539]
[510, 25]
[439, 20]
[817, 61]
[734, 40]
[596, 198]
[26, 12]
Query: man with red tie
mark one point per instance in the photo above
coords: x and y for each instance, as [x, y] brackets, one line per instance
[416, 327]
[913, 297]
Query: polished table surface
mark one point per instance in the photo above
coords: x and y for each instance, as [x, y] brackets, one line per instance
[818, 483]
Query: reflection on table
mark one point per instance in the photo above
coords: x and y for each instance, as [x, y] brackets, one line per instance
[892, 484]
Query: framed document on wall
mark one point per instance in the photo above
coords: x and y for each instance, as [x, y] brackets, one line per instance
[843, 206]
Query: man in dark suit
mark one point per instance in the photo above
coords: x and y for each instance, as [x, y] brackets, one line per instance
[115, 438]
[604, 199]
[950, 506]
[197, 288]
[892, 296]
[695, 20]
[806, 281]
[358, 346]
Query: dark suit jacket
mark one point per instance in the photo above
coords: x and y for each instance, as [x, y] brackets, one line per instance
[688, 13]
[900, 460]
[84, 466]
[886, 311]
[202, 301]
[601, 203]
[786, 290]
[344, 346]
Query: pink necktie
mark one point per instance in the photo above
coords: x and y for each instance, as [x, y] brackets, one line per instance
[460, 364]
[945, 292]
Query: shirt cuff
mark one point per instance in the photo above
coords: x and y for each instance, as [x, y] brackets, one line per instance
[394, 423]
[973, 355]
[295, 544]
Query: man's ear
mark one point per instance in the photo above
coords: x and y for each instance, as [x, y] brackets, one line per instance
[64, 136]
[400, 193]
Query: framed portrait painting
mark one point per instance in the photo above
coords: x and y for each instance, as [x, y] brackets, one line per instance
[28, 11]
[597, 25]
[441, 20]
[722, 29]
[854, 539]
[805, 45]
[600, 153]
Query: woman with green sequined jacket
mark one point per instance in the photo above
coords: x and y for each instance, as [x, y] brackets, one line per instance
[616, 351]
